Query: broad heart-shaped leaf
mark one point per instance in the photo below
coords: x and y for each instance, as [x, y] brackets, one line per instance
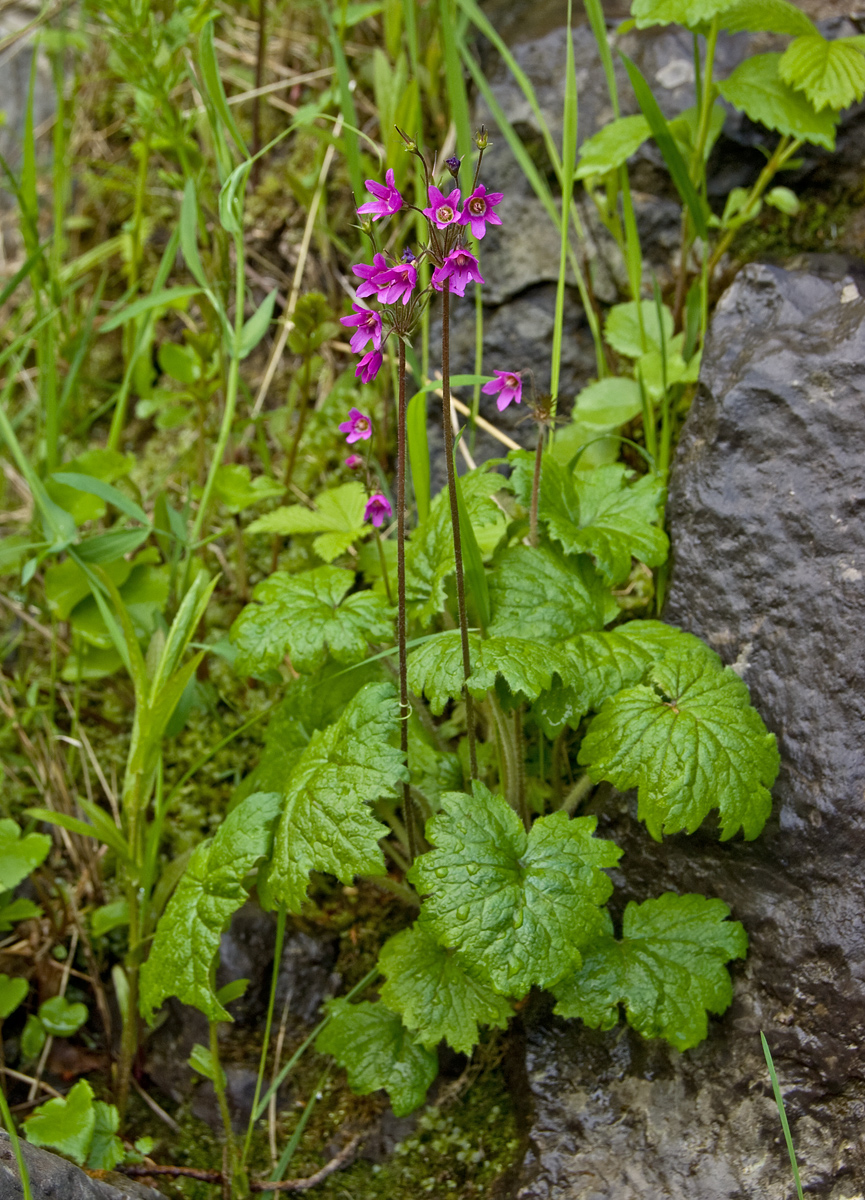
[378, 1051]
[612, 146]
[608, 403]
[434, 992]
[690, 742]
[668, 970]
[338, 519]
[237, 490]
[771, 16]
[757, 89]
[622, 328]
[304, 616]
[601, 663]
[209, 892]
[19, 855]
[66, 1125]
[676, 12]
[436, 667]
[429, 556]
[325, 823]
[12, 992]
[831, 74]
[61, 1017]
[518, 905]
[539, 594]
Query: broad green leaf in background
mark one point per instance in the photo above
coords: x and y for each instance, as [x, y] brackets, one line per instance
[539, 594]
[66, 584]
[107, 465]
[209, 892]
[12, 992]
[436, 667]
[518, 905]
[19, 854]
[668, 970]
[831, 74]
[106, 1148]
[690, 741]
[337, 518]
[435, 992]
[622, 328]
[33, 1038]
[13, 911]
[378, 1051]
[677, 12]
[771, 16]
[608, 403]
[237, 490]
[201, 1061]
[66, 1124]
[325, 823]
[757, 89]
[62, 1018]
[109, 916]
[612, 146]
[305, 616]
[257, 325]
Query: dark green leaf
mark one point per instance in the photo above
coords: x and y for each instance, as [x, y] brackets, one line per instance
[539, 594]
[757, 89]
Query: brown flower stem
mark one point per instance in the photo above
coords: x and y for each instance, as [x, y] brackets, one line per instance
[455, 522]
[536, 488]
[404, 708]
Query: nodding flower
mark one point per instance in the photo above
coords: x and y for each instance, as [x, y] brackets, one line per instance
[509, 385]
[443, 210]
[478, 209]
[368, 367]
[358, 428]
[461, 268]
[368, 328]
[387, 199]
[378, 510]
[354, 460]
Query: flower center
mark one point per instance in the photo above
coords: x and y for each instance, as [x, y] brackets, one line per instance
[362, 425]
[511, 381]
[477, 207]
[445, 213]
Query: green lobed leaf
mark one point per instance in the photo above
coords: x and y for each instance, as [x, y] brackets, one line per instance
[518, 905]
[436, 667]
[60, 1017]
[689, 741]
[757, 89]
[237, 490]
[325, 824]
[65, 1124]
[770, 16]
[106, 1148]
[608, 403]
[668, 970]
[539, 594]
[12, 992]
[338, 519]
[435, 993]
[831, 74]
[612, 146]
[19, 855]
[305, 616]
[677, 12]
[209, 892]
[377, 1051]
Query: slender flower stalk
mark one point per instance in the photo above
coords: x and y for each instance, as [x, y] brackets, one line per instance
[536, 488]
[407, 802]
[455, 522]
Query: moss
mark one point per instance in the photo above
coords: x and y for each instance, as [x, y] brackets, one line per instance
[819, 226]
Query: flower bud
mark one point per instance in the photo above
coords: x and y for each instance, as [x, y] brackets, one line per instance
[453, 165]
[410, 143]
[481, 138]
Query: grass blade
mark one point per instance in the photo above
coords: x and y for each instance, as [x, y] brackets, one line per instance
[785, 1125]
[569, 166]
[418, 452]
[346, 103]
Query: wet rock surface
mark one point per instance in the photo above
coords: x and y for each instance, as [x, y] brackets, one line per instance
[53, 1178]
[765, 514]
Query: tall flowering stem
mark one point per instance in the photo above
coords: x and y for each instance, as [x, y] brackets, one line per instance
[407, 802]
[536, 488]
[455, 522]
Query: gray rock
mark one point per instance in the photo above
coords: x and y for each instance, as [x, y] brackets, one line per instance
[768, 542]
[53, 1178]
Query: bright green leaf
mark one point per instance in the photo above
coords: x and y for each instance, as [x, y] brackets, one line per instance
[99, 463]
[108, 917]
[539, 594]
[12, 992]
[257, 325]
[19, 855]
[831, 74]
[690, 741]
[305, 616]
[201, 1061]
[668, 970]
[608, 404]
[33, 1038]
[518, 905]
[785, 200]
[66, 1124]
[770, 16]
[19, 909]
[377, 1051]
[612, 146]
[62, 1018]
[757, 89]
[622, 328]
[434, 992]
[677, 12]
[338, 519]
[106, 1148]
[237, 490]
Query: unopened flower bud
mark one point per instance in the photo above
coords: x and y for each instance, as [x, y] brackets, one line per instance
[453, 165]
[410, 143]
[481, 138]
[366, 226]
[408, 255]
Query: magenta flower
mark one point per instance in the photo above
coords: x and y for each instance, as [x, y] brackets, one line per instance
[479, 209]
[396, 283]
[377, 510]
[368, 274]
[353, 460]
[443, 210]
[461, 268]
[387, 198]
[508, 384]
[358, 427]
[368, 328]
[368, 367]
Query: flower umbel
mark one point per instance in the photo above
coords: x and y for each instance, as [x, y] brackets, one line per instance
[378, 510]
[508, 384]
[443, 210]
[387, 198]
[357, 428]
[368, 328]
[461, 268]
[368, 367]
[478, 209]
[368, 273]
